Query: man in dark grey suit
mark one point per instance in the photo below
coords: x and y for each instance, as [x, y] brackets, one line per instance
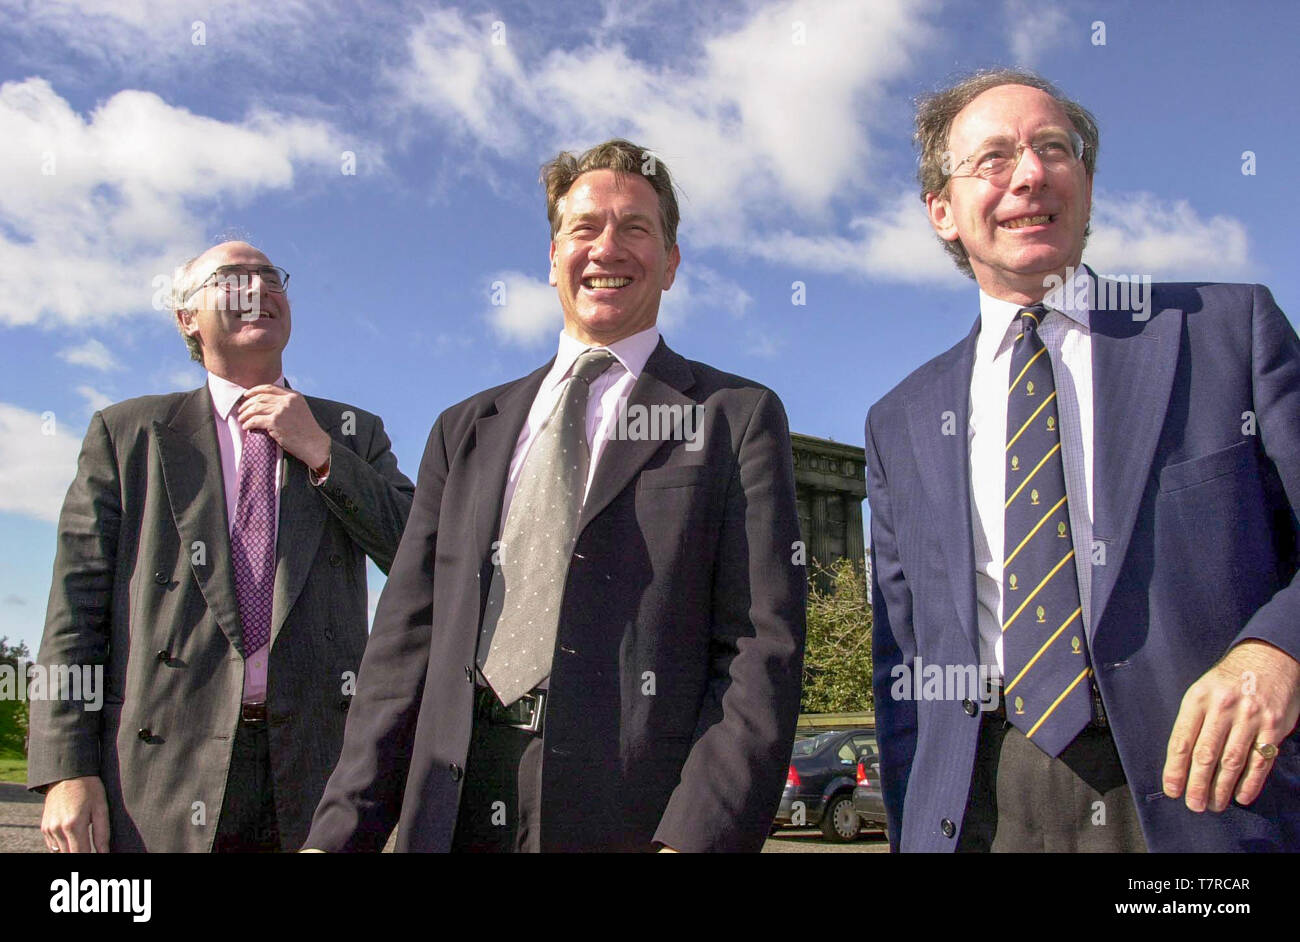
[593, 632]
[211, 562]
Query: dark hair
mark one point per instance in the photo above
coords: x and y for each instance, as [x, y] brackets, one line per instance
[559, 174]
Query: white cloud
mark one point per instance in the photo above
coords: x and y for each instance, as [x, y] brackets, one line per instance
[102, 205]
[92, 354]
[1135, 233]
[1139, 233]
[1034, 29]
[95, 399]
[699, 291]
[157, 35]
[895, 245]
[765, 122]
[763, 345]
[38, 460]
[185, 378]
[530, 312]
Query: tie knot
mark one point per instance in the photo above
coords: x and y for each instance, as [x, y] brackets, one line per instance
[592, 363]
[1031, 318]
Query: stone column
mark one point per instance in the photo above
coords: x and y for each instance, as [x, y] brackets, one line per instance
[854, 543]
[819, 547]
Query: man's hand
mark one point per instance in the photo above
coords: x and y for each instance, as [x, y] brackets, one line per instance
[1251, 696]
[75, 809]
[286, 417]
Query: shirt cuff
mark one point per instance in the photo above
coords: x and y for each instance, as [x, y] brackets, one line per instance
[318, 481]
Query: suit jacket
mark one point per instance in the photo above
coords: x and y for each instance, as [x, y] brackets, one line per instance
[1196, 485]
[675, 682]
[144, 585]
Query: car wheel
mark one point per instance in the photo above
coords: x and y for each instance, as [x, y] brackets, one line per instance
[840, 823]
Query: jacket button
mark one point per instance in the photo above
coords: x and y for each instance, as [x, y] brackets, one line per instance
[164, 655]
[469, 674]
[969, 706]
[145, 733]
[456, 772]
[160, 577]
[948, 828]
[329, 635]
[336, 559]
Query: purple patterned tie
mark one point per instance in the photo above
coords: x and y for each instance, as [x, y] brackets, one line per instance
[252, 542]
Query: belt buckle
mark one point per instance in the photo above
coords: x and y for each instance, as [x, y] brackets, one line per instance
[537, 701]
[530, 705]
[252, 714]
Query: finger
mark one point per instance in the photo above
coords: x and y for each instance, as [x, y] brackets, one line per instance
[1233, 761]
[1257, 767]
[256, 420]
[1205, 757]
[77, 833]
[251, 404]
[99, 827]
[51, 834]
[1252, 783]
[1178, 755]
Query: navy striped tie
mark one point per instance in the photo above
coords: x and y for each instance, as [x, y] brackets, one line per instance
[1047, 672]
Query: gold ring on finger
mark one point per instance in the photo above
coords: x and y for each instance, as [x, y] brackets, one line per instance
[1266, 749]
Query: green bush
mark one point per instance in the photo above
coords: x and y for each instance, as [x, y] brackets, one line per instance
[837, 656]
[13, 713]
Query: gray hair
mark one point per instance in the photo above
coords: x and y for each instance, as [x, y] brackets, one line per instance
[182, 287]
[936, 112]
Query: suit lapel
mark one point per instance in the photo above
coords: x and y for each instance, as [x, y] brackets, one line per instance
[943, 463]
[665, 376]
[298, 530]
[191, 464]
[1133, 366]
[495, 435]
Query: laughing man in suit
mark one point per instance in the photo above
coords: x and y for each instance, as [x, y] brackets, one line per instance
[211, 558]
[593, 633]
[1093, 500]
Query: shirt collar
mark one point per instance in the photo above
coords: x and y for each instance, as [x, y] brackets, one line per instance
[997, 315]
[225, 393]
[631, 352]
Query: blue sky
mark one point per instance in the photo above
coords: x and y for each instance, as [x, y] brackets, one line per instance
[127, 145]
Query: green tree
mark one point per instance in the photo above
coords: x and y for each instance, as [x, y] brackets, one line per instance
[837, 656]
[13, 712]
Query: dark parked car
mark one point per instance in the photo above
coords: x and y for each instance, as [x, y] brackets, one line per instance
[820, 782]
[868, 802]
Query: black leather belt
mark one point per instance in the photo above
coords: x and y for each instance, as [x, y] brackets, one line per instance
[253, 714]
[525, 713]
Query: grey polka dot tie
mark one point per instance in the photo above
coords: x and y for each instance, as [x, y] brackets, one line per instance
[522, 618]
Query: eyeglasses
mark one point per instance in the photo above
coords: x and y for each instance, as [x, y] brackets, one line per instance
[235, 277]
[996, 163]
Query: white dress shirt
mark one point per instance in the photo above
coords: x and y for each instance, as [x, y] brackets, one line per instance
[607, 390]
[230, 440]
[1069, 345]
